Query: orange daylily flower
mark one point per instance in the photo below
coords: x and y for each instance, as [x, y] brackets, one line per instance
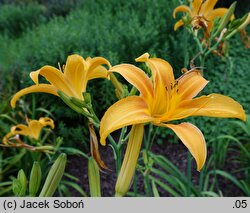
[164, 99]
[72, 81]
[202, 14]
[32, 130]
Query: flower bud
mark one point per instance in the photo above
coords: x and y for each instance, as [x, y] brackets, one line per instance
[94, 178]
[87, 97]
[19, 185]
[130, 160]
[238, 26]
[226, 18]
[78, 102]
[35, 179]
[54, 177]
[66, 99]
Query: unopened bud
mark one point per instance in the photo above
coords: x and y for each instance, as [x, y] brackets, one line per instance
[129, 163]
[226, 18]
[35, 179]
[238, 26]
[87, 97]
[54, 177]
[66, 99]
[94, 178]
[19, 185]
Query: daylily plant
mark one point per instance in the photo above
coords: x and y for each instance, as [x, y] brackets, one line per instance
[32, 130]
[72, 80]
[202, 14]
[164, 99]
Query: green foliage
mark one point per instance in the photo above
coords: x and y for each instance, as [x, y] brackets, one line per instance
[17, 19]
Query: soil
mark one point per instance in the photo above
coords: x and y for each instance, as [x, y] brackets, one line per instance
[176, 153]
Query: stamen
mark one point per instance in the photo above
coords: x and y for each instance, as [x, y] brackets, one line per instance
[59, 65]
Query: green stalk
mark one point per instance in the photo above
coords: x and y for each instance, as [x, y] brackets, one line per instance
[189, 175]
[119, 150]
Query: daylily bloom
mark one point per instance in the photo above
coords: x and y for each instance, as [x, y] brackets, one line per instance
[72, 81]
[32, 130]
[164, 99]
[202, 14]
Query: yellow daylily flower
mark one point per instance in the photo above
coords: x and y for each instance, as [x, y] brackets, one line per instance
[202, 14]
[72, 81]
[32, 130]
[164, 99]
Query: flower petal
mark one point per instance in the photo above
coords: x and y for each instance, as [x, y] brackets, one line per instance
[178, 24]
[219, 12]
[45, 121]
[35, 128]
[196, 4]
[98, 72]
[193, 139]
[181, 8]
[220, 106]
[46, 88]
[162, 77]
[20, 129]
[96, 62]
[55, 77]
[137, 78]
[190, 84]
[127, 111]
[75, 73]
[207, 7]
[158, 65]
[94, 148]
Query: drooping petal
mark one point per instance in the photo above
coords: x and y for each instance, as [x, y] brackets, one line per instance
[20, 129]
[75, 73]
[178, 24]
[35, 128]
[94, 148]
[182, 8]
[55, 77]
[46, 88]
[219, 12]
[127, 111]
[196, 4]
[137, 78]
[193, 139]
[45, 121]
[207, 7]
[221, 106]
[190, 84]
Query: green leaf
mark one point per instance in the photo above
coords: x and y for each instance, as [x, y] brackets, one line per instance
[154, 189]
